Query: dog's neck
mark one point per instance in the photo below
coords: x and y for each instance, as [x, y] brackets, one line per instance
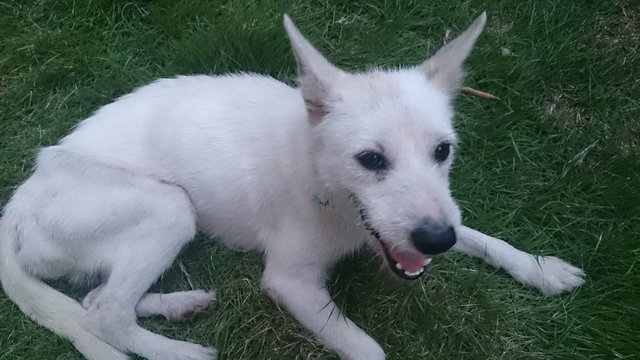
[337, 203]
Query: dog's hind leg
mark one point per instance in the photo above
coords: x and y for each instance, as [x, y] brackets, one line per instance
[179, 305]
[549, 274]
[155, 221]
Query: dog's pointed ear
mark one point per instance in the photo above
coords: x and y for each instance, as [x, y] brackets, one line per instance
[315, 73]
[444, 68]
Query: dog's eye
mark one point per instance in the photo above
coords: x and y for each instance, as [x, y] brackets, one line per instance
[442, 152]
[373, 161]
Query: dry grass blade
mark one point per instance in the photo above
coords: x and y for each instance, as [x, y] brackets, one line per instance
[482, 94]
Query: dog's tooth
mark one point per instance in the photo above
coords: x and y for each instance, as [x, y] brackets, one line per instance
[415, 273]
[427, 261]
[398, 266]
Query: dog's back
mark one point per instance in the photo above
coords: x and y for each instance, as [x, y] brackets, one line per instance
[172, 117]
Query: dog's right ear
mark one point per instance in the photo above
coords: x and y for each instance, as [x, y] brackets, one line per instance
[315, 73]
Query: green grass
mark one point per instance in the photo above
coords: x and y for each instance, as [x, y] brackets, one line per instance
[554, 167]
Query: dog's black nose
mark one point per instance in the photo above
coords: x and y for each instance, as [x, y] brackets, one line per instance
[433, 240]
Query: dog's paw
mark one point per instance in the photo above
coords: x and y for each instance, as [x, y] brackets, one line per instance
[199, 353]
[182, 305]
[554, 275]
[188, 351]
[364, 349]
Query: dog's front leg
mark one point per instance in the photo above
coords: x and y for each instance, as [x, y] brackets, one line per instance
[297, 282]
[549, 274]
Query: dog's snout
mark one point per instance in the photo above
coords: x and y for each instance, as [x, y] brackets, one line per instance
[433, 240]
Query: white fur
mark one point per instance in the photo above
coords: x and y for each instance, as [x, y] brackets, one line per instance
[249, 159]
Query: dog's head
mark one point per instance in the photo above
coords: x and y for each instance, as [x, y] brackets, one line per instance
[386, 140]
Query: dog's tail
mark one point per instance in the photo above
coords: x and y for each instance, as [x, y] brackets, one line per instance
[48, 307]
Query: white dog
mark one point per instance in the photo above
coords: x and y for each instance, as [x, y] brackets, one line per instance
[306, 175]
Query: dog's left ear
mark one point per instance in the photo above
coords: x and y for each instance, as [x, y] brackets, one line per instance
[315, 73]
[444, 68]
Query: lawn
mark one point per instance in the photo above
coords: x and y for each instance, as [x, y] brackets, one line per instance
[553, 167]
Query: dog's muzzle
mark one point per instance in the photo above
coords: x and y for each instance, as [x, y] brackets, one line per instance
[427, 240]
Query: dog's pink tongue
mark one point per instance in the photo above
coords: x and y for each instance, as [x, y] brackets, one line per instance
[410, 261]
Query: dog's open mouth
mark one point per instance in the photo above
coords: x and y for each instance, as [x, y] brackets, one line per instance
[406, 264]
